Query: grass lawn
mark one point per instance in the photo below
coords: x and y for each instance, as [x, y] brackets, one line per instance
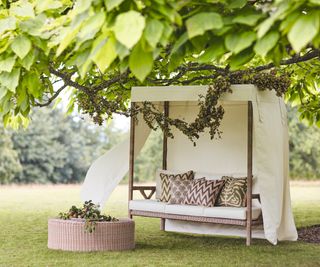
[23, 234]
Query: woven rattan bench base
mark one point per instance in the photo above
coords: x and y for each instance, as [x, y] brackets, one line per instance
[193, 218]
[70, 235]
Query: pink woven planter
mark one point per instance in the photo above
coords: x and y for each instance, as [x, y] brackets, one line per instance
[70, 235]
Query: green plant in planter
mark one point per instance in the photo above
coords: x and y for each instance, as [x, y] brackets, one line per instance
[90, 213]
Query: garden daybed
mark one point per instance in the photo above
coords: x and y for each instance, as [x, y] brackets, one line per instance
[254, 140]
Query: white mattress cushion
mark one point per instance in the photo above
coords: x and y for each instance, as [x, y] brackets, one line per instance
[231, 212]
[190, 210]
[184, 210]
[147, 205]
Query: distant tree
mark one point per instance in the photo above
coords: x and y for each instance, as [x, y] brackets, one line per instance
[55, 148]
[9, 161]
[150, 158]
[304, 149]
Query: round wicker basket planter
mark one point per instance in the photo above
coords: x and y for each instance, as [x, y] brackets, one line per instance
[70, 235]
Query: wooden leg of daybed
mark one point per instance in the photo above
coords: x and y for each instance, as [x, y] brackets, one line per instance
[249, 235]
[162, 224]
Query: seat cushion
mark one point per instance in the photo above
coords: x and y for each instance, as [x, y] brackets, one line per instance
[214, 212]
[231, 212]
[184, 210]
[147, 205]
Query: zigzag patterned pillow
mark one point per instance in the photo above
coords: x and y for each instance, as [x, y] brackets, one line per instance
[233, 193]
[203, 192]
[166, 186]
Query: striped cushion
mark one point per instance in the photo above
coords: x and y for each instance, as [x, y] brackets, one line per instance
[233, 193]
[203, 192]
[166, 186]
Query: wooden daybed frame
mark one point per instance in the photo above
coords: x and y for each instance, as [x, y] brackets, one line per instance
[248, 222]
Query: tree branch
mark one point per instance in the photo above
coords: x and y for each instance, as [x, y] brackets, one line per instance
[49, 101]
[295, 59]
[67, 80]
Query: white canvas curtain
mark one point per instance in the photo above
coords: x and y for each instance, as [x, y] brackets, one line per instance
[107, 171]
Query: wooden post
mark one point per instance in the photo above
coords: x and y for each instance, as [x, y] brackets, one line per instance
[249, 174]
[164, 155]
[131, 160]
[165, 139]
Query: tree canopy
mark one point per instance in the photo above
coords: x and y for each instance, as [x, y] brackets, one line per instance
[100, 49]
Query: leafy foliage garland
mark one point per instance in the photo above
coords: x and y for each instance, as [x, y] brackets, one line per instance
[89, 212]
[210, 112]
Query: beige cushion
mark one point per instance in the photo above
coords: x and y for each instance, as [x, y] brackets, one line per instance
[184, 210]
[233, 192]
[178, 189]
[166, 184]
[158, 179]
[203, 192]
[147, 205]
[230, 212]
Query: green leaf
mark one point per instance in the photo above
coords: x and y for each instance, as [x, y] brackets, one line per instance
[3, 91]
[140, 62]
[111, 4]
[7, 64]
[266, 43]
[153, 32]
[213, 52]
[202, 22]
[70, 33]
[237, 3]
[22, 9]
[249, 20]
[10, 80]
[181, 40]
[237, 42]
[288, 22]
[92, 26]
[166, 33]
[265, 26]
[43, 5]
[106, 54]
[304, 30]
[81, 6]
[33, 26]
[7, 24]
[237, 61]
[28, 60]
[128, 28]
[21, 45]
[176, 60]
[32, 84]
[121, 50]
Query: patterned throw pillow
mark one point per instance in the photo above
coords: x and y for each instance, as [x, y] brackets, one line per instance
[233, 193]
[165, 183]
[203, 192]
[178, 189]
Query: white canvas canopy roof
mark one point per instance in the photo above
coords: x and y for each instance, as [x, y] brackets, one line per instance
[225, 156]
